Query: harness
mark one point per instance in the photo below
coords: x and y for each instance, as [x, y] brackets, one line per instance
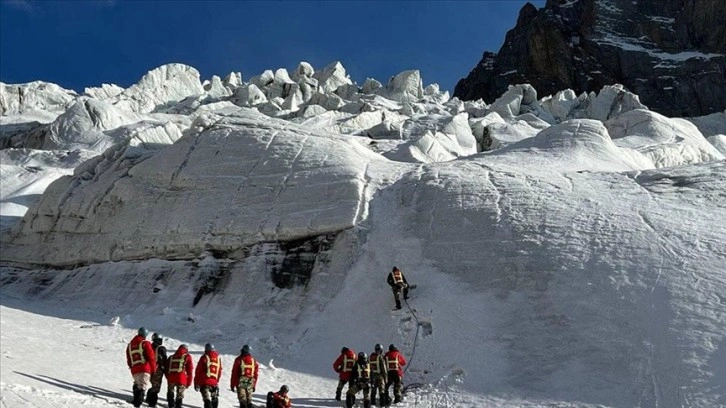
[176, 365]
[159, 357]
[136, 355]
[248, 369]
[374, 364]
[392, 364]
[397, 276]
[364, 372]
[348, 363]
[213, 365]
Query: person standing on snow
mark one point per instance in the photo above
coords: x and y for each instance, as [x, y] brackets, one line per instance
[141, 360]
[378, 374]
[279, 399]
[343, 366]
[244, 377]
[179, 376]
[206, 378]
[398, 284]
[394, 365]
[360, 380]
[152, 396]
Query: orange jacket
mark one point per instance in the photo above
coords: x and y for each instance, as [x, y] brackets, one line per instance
[140, 356]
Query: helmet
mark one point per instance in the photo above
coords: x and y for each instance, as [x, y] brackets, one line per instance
[392, 348]
[284, 389]
[183, 346]
[156, 338]
[362, 356]
[379, 348]
[245, 349]
[208, 347]
[143, 332]
[395, 268]
[344, 350]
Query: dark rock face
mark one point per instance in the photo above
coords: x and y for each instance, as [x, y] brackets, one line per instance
[670, 53]
[298, 260]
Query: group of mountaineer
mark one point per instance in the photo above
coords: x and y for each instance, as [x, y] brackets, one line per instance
[372, 375]
[149, 364]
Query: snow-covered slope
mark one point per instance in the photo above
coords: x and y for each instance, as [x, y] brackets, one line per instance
[579, 264]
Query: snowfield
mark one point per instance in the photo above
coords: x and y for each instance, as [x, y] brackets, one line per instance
[568, 251]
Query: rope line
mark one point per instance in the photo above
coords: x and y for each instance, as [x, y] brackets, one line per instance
[415, 338]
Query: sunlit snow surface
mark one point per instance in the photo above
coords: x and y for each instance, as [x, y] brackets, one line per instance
[580, 263]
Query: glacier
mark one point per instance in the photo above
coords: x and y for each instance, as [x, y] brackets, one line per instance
[568, 250]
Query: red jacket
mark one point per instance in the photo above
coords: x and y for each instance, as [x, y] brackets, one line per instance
[209, 369]
[280, 401]
[181, 368]
[140, 356]
[395, 362]
[244, 366]
[343, 365]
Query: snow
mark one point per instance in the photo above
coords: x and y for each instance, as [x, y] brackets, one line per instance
[568, 3]
[332, 77]
[160, 87]
[33, 96]
[710, 125]
[404, 87]
[631, 44]
[667, 142]
[719, 142]
[662, 20]
[27, 173]
[578, 264]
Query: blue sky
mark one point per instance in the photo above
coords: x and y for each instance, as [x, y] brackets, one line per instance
[78, 43]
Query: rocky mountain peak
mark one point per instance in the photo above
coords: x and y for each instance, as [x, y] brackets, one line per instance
[671, 53]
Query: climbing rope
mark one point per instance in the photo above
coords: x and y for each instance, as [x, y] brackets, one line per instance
[415, 336]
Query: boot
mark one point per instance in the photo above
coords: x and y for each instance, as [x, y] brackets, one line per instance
[138, 397]
[170, 399]
[179, 403]
[349, 401]
[152, 398]
[207, 404]
[269, 400]
[373, 400]
[366, 403]
[396, 399]
[337, 395]
[398, 305]
[215, 402]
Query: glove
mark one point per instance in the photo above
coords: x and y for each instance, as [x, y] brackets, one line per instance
[196, 388]
[234, 389]
[253, 389]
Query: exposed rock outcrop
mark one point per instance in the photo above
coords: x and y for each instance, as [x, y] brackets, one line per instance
[672, 54]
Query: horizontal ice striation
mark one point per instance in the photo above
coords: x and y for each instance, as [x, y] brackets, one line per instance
[592, 277]
[232, 182]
